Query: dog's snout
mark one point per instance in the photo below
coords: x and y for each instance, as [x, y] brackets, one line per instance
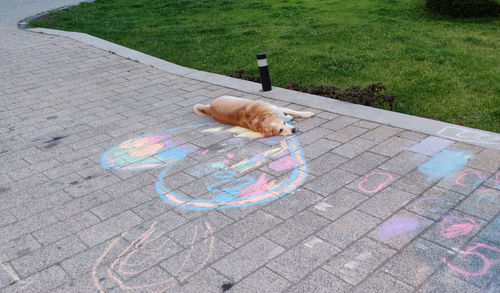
[294, 130]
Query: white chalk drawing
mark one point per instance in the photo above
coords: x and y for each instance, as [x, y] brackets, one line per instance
[467, 135]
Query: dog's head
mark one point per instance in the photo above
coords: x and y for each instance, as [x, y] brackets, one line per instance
[273, 124]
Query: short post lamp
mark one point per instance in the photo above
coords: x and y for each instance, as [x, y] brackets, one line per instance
[264, 72]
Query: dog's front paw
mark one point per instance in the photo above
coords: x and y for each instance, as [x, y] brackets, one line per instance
[308, 114]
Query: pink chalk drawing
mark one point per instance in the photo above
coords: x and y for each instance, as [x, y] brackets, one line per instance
[486, 192]
[142, 254]
[460, 178]
[366, 179]
[232, 176]
[452, 226]
[397, 226]
[487, 263]
[284, 163]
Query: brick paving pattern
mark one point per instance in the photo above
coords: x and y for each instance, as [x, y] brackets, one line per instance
[110, 183]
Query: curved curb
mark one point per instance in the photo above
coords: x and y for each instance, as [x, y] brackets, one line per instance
[427, 126]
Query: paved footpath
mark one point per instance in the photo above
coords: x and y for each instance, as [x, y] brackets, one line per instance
[109, 183]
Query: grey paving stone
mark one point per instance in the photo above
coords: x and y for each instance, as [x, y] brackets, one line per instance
[354, 147]
[487, 160]
[320, 281]
[200, 228]
[162, 224]
[28, 225]
[99, 256]
[382, 282]
[92, 185]
[109, 228]
[479, 204]
[327, 115]
[243, 261]
[340, 122]
[392, 146]
[414, 182]
[416, 262]
[253, 225]
[208, 279]
[363, 163]
[366, 124]
[152, 208]
[47, 256]
[381, 133]
[6, 218]
[330, 182]
[400, 229]
[297, 262]
[347, 133]
[42, 281]
[308, 124]
[319, 147]
[338, 203]
[195, 257]
[359, 260]
[38, 205]
[83, 203]
[386, 202]
[65, 228]
[446, 283]
[412, 135]
[348, 228]
[296, 229]
[325, 163]
[132, 184]
[435, 202]
[404, 162]
[263, 280]
[312, 135]
[154, 279]
[18, 247]
[121, 204]
[287, 206]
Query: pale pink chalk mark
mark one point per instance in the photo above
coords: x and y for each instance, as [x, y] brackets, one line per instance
[230, 156]
[379, 187]
[284, 163]
[259, 187]
[204, 152]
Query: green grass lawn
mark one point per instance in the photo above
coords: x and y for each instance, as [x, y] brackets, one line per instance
[438, 67]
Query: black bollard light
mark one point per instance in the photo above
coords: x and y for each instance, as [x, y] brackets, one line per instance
[264, 72]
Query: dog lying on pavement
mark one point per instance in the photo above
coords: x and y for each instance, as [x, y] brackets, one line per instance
[257, 116]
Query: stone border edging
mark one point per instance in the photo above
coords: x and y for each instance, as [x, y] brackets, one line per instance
[427, 126]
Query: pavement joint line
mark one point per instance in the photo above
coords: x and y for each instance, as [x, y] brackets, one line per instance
[427, 126]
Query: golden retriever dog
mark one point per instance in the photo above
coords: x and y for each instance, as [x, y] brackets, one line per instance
[257, 116]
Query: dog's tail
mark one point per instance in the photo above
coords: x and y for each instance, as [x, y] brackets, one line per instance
[203, 110]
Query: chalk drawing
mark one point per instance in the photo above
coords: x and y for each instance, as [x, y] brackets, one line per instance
[458, 133]
[461, 178]
[397, 226]
[452, 226]
[487, 193]
[436, 205]
[234, 166]
[444, 163]
[492, 231]
[149, 252]
[430, 146]
[472, 251]
[374, 178]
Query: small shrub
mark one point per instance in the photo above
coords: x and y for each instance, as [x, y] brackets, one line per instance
[465, 8]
